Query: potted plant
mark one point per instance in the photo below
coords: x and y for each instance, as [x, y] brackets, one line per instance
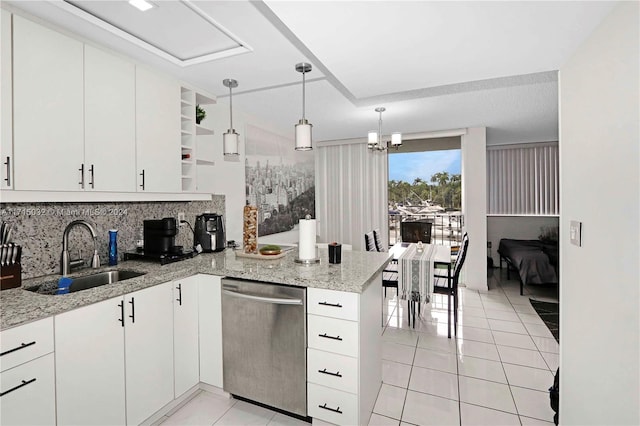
[200, 114]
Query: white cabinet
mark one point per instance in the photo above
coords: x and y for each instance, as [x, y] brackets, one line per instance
[6, 91]
[194, 134]
[109, 126]
[210, 314]
[148, 351]
[27, 377]
[157, 133]
[185, 331]
[48, 119]
[90, 365]
[344, 359]
[114, 362]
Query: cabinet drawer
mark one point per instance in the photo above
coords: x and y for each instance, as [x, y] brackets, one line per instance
[333, 335]
[31, 393]
[332, 405]
[24, 343]
[332, 370]
[331, 303]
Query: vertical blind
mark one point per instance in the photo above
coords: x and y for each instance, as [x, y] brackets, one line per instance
[523, 179]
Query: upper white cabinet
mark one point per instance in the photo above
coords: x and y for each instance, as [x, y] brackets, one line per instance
[109, 122]
[6, 91]
[48, 119]
[157, 133]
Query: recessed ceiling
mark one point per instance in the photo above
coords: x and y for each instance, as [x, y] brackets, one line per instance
[176, 30]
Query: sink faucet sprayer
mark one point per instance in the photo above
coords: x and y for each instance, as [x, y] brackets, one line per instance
[66, 263]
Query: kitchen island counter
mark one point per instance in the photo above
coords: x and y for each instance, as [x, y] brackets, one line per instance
[356, 272]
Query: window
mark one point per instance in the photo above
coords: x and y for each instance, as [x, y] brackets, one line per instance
[523, 179]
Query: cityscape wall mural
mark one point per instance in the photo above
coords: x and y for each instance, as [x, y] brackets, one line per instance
[280, 181]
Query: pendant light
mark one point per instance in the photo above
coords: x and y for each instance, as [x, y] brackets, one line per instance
[230, 138]
[375, 139]
[303, 128]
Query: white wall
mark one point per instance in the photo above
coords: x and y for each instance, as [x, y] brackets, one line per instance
[599, 163]
[515, 227]
[474, 206]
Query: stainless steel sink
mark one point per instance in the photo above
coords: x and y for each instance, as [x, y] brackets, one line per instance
[87, 281]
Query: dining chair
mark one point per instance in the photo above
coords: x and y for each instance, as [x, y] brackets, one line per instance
[448, 284]
[369, 242]
[377, 239]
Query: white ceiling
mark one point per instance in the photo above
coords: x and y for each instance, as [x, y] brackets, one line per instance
[434, 65]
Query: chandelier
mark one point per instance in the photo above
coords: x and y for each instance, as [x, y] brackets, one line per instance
[376, 141]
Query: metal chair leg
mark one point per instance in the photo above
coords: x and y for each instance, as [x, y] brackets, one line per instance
[449, 315]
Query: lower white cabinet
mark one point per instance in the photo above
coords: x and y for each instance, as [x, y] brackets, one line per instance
[114, 359]
[185, 334]
[344, 355]
[29, 393]
[210, 324]
[27, 385]
[89, 344]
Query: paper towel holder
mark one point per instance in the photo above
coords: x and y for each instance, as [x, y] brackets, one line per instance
[316, 258]
[307, 261]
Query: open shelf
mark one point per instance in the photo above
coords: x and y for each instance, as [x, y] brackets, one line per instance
[201, 130]
[203, 162]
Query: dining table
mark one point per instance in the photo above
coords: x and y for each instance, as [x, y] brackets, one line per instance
[416, 265]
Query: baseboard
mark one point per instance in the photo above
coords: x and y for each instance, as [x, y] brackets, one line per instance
[179, 402]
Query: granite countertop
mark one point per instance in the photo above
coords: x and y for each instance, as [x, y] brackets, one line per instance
[354, 274]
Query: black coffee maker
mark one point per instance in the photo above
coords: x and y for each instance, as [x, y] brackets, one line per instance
[209, 232]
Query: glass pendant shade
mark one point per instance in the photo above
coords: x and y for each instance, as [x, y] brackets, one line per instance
[396, 139]
[303, 136]
[372, 139]
[230, 142]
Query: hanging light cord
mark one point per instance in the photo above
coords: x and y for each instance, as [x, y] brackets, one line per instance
[230, 108]
[380, 131]
[303, 94]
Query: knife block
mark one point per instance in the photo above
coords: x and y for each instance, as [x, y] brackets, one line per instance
[10, 276]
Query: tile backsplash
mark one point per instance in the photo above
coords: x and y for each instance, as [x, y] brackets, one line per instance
[38, 228]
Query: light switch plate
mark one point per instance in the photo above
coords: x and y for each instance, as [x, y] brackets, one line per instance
[575, 233]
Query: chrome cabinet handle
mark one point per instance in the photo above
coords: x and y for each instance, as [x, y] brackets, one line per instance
[92, 180]
[81, 169]
[22, 346]
[133, 310]
[24, 383]
[179, 299]
[8, 178]
[335, 410]
[142, 174]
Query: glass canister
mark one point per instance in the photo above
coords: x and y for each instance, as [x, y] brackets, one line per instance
[113, 247]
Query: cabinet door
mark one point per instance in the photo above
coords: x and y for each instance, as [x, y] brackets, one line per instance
[89, 348]
[185, 332]
[110, 128]
[157, 133]
[210, 313]
[6, 117]
[148, 351]
[30, 393]
[48, 108]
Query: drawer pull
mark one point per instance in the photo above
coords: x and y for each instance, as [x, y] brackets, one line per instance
[24, 383]
[333, 305]
[22, 346]
[326, 336]
[335, 410]
[324, 371]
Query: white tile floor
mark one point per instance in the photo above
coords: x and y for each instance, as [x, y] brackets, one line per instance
[496, 372]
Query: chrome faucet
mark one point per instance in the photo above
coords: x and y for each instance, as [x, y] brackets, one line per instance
[66, 263]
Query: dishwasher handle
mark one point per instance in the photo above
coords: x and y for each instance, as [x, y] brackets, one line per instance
[274, 300]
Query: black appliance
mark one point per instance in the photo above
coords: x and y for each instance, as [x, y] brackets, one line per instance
[159, 243]
[209, 232]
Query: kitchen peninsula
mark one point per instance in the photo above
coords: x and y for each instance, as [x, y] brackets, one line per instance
[354, 284]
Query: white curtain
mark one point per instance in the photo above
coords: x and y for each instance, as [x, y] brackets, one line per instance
[523, 179]
[351, 192]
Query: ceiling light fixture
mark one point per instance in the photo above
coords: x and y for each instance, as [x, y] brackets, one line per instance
[230, 138]
[375, 139]
[141, 5]
[303, 128]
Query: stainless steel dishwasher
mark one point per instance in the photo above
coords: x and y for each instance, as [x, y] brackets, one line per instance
[264, 343]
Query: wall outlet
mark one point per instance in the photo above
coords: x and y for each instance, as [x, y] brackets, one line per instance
[575, 233]
[180, 218]
[489, 245]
